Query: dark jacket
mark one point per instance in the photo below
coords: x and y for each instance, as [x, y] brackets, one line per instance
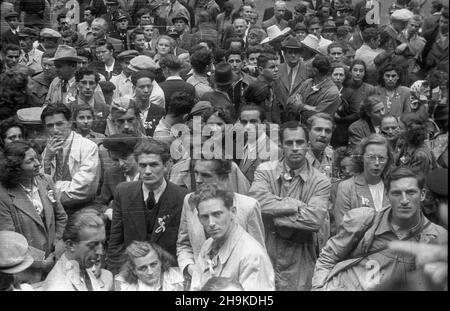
[357, 131]
[128, 223]
[171, 86]
[100, 68]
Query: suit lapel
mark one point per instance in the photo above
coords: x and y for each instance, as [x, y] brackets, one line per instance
[363, 191]
[136, 213]
[48, 206]
[22, 202]
[165, 210]
[284, 76]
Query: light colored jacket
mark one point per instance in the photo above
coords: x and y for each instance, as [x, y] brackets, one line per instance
[293, 210]
[240, 258]
[191, 234]
[84, 167]
[65, 276]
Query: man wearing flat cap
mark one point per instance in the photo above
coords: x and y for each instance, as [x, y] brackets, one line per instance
[181, 24]
[395, 30]
[122, 81]
[292, 72]
[11, 34]
[112, 15]
[29, 56]
[48, 39]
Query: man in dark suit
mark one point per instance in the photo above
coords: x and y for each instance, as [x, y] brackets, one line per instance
[278, 17]
[11, 35]
[171, 67]
[99, 31]
[269, 13]
[146, 210]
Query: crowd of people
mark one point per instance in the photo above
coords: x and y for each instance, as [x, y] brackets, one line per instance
[178, 145]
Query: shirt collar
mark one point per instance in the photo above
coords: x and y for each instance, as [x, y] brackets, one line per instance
[157, 193]
[386, 226]
[227, 248]
[303, 172]
[173, 78]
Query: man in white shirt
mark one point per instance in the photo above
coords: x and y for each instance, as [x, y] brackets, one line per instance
[85, 27]
[29, 56]
[122, 81]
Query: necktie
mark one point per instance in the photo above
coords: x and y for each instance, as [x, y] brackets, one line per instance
[87, 280]
[27, 57]
[64, 86]
[59, 165]
[150, 203]
[291, 71]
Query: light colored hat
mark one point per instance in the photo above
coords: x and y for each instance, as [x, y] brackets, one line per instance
[66, 52]
[402, 15]
[142, 62]
[15, 255]
[49, 33]
[30, 115]
[311, 42]
[274, 32]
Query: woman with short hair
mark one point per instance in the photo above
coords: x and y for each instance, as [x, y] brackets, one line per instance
[148, 267]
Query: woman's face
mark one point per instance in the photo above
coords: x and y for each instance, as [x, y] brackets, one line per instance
[358, 72]
[163, 47]
[84, 121]
[30, 165]
[338, 76]
[139, 42]
[216, 124]
[148, 268]
[13, 134]
[377, 113]
[375, 159]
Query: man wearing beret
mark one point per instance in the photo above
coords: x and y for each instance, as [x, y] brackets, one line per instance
[29, 56]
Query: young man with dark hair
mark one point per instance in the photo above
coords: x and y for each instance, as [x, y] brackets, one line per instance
[364, 234]
[38, 85]
[106, 64]
[90, 13]
[30, 56]
[71, 160]
[294, 201]
[12, 56]
[201, 61]
[171, 67]
[148, 209]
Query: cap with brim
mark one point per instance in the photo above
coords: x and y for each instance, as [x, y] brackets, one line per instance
[437, 181]
[15, 255]
[30, 115]
[155, 4]
[128, 54]
[180, 16]
[121, 143]
[329, 25]
[291, 43]
[142, 62]
[199, 108]
[300, 26]
[49, 33]
[112, 2]
[27, 32]
[402, 15]
[66, 53]
[274, 32]
[311, 42]
[11, 14]
[121, 17]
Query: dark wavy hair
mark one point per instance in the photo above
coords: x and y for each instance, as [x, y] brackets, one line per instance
[360, 62]
[5, 125]
[358, 156]
[416, 128]
[367, 106]
[11, 162]
[389, 67]
[138, 249]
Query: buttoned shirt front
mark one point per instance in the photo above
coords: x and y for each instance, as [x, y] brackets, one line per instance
[157, 192]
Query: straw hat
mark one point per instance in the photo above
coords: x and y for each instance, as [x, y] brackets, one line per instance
[274, 32]
[66, 52]
[15, 255]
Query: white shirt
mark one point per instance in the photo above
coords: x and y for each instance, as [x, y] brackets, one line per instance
[108, 69]
[377, 192]
[158, 192]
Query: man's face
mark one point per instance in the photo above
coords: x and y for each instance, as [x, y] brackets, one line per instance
[180, 25]
[87, 85]
[84, 121]
[358, 72]
[413, 26]
[13, 22]
[405, 197]
[239, 27]
[250, 120]
[58, 126]
[126, 163]
[148, 268]
[88, 17]
[247, 12]
[88, 251]
[375, 159]
[151, 169]
[150, 32]
[270, 71]
[315, 29]
[390, 128]
[103, 54]
[98, 31]
[12, 134]
[143, 89]
[216, 219]
[139, 42]
[320, 134]
[163, 46]
[64, 25]
[122, 24]
[399, 25]
[64, 70]
[252, 38]
[325, 12]
[443, 24]
[12, 58]
[301, 34]
[146, 18]
[391, 78]
[279, 11]
[253, 59]
[295, 147]
[26, 44]
[336, 54]
[204, 172]
[127, 123]
[49, 43]
[329, 34]
[236, 63]
[292, 56]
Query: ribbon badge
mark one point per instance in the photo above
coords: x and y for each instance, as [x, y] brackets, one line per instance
[51, 196]
[162, 224]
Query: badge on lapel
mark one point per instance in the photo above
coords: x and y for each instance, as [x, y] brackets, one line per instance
[51, 196]
[365, 202]
[162, 224]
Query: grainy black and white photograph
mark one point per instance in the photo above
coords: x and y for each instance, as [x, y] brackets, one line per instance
[199, 146]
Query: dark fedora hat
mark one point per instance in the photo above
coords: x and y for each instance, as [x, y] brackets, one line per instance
[223, 75]
[291, 43]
